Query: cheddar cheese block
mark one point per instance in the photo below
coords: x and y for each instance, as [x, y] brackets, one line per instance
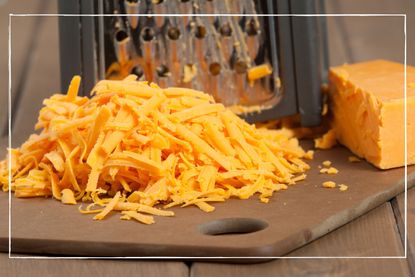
[367, 101]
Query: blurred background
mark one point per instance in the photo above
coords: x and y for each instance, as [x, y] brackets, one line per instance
[35, 49]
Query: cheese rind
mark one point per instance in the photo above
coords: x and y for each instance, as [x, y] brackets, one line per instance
[367, 101]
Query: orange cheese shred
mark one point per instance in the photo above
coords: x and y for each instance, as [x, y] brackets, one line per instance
[109, 207]
[68, 197]
[73, 88]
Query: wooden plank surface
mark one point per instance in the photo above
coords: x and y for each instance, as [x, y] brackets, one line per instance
[399, 208]
[354, 39]
[373, 234]
[42, 79]
[24, 32]
[81, 268]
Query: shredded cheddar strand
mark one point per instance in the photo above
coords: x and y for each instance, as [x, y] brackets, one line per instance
[133, 147]
[73, 88]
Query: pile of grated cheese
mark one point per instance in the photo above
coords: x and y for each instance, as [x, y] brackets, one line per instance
[139, 149]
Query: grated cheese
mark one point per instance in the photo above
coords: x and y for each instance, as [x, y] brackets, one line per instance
[68, 197]
[324, 170]
[343, 187]
[329, 184]
[327, 163]
[133, 147]
[353, 159]
[327, 141]
[332, 170]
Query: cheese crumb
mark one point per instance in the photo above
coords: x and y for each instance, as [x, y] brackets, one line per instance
[190, 71]
[309, 155]
[325, 109]
[258, 72]
[329, 184]
[264, 200]
[343, 187]
[353, 159]
[327, 163]
[332, 170]
[68, 197]
[327, 141]
[240, 109]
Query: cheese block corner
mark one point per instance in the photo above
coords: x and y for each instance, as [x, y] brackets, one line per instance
[367, 101]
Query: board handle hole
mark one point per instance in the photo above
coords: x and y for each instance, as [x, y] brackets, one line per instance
[232, 226]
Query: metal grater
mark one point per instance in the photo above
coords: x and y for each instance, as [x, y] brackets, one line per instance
[263, 67]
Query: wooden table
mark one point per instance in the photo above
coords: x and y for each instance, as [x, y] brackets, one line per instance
[380, 232]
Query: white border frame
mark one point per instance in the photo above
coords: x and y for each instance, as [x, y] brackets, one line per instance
[214, 257]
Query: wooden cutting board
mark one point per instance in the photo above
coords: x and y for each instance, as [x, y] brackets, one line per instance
[237, 228]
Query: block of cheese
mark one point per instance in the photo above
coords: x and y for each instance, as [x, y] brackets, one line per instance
[367, 100]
